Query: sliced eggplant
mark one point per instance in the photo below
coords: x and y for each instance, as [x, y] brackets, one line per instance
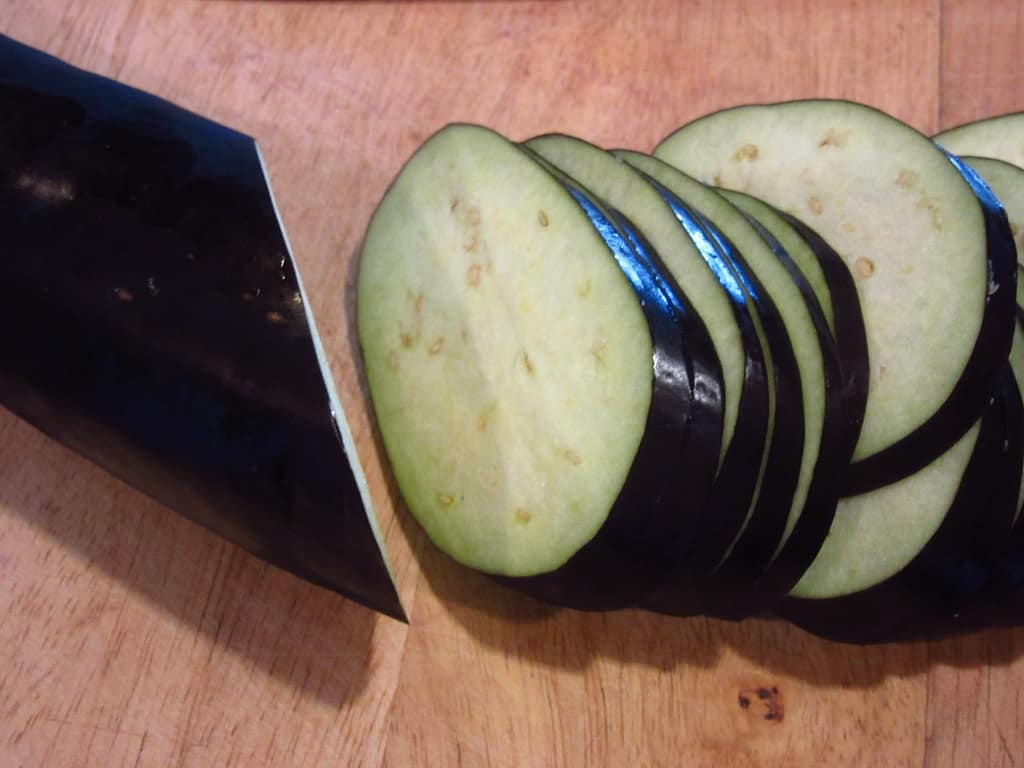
[1000, 137]
[848, 327]
[158, 326]
[797, 255]
[1002, 602]
[905, 562]
[828, 451]
[527, 373]
[927, 249]
[742, 387]
[817, 263]
[795, 359]
[1007, 183]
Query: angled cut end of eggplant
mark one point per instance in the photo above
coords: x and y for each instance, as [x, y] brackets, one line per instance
[160, 325]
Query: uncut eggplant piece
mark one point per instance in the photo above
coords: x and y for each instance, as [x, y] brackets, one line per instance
[160, 327]
[738, 377]
[1000, 137]
[933, 594]
[929, 260]
[528, 375]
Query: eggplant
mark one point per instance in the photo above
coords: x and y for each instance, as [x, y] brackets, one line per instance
[728, 591]
[157, 323]
[727, 321]
[876, 189]
[998, 137]
[1007, 183]
[830, 449]
[528, 374]
[847, 324]
[937, 592]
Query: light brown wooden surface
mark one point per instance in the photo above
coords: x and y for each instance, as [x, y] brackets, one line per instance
[130, 637]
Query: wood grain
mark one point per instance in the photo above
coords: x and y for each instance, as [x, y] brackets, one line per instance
[130, 637]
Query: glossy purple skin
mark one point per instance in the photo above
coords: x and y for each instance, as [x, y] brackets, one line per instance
[735, 483]
[160, 331]
[753, 550]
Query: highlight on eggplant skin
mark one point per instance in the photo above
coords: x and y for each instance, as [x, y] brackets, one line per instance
[161, 325]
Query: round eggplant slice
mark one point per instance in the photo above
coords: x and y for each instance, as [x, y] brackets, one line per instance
[1002, 600]
[1007, 183]
[797, 255]
[693, 349]
[527, 374]
[1000, 137]
[925, 246]
[828, 451]
[794, 358]
[905, 562]
[848, 326]
[819, 267]
[626, 190]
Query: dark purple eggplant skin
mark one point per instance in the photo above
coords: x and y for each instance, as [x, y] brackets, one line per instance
[733, 489]
[1001, 603]
[848, 323]
[932, 597]
[970, 394]
[663, 498]
[811, 529]
[155, 323]
[729, 591]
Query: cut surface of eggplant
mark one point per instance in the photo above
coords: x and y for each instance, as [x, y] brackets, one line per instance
[956, 528]
[1007, 183]
[874, 535]
[821, 465]
[525, 372]
[798, 254]
[1000, 137]
[627, 191]
[848, 329]
[795, 359]
[834, 296]
[163, 330]
[927, 257]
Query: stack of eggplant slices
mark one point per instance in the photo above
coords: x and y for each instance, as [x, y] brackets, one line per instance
[774, 367]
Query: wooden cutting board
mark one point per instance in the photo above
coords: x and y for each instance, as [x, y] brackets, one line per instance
[130, 637]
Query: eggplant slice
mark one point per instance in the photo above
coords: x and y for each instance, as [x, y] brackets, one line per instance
[727, 323]
[926, 247]
[803, 403]
[1007, 183]
[528, 375]
[815, 265]
[847, 326]
[1002, 602]
[157, 324]
[830, 446]
[1000, 137]
[936, 590]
